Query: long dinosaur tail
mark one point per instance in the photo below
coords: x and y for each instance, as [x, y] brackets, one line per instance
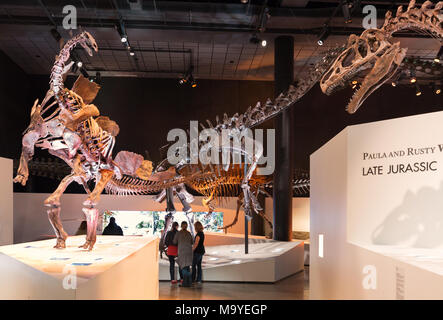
[135, 186]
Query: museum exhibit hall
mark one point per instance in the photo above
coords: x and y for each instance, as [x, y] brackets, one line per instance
[220, 158]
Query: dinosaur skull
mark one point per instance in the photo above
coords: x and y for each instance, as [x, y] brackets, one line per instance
[371, 51]
[89, 43]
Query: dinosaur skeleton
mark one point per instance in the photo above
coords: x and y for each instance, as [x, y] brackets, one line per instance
[85, 143]
[75, 133]
[375, 50]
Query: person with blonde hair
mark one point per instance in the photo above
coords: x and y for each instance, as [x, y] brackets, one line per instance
[199, 250]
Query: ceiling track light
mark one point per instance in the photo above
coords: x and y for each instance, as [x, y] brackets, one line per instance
[346, 6]
[122, 32]
[188, 77]
[256, 40]
[324, 34]
[417, 90]
[413, 78]
[436, 88]
[396, 79]
[84, 73]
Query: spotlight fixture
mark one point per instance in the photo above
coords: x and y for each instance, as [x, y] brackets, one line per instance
[79, 64]
[74, 68]
[131, 52]
[188, 78]
[346, 6]
[439, 55]
[417, 90]
[244, 1]
[192, 81]
[264, 43]
[323, 35]
[396, 79]
[436, 88]
[354, 82]
[84, 73]
[413, 78]
[122, 32]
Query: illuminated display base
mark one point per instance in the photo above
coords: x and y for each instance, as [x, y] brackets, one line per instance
[267, 260]
[117, 268]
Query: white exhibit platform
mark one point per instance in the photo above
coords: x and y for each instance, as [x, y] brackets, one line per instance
[377, 211]
[117, 268]
[6, 202]
[267, 260]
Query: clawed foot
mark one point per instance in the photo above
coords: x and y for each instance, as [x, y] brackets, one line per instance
[88, 245]
[61, 244]
[21, 179]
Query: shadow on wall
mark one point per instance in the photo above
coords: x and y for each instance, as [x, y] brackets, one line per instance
[417, 222]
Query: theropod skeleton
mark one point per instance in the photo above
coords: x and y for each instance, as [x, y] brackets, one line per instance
[373, 51]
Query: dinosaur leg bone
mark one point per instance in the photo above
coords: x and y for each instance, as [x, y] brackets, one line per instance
[53, 202]
[54, 199]
[91, 212]
[94, 196]
[207, 203]
[91, 233]
[54, 218]
[239, 204]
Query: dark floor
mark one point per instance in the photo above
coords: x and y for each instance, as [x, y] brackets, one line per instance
[295, 287]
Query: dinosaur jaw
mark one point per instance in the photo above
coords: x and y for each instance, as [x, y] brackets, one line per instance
[344, 80]
[385, 67]
[367, 87]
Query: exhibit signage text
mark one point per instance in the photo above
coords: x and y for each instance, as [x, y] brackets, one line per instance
[404, 167]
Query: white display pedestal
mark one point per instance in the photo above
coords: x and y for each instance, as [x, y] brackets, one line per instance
[6, 201]
[117, 268]
[377, 230]
[267, 260]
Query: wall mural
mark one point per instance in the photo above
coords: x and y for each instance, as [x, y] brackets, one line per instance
[152, 223]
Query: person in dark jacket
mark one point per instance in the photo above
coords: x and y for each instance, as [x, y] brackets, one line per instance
[172, 250]
[82, 229]
[199, 250]
[112, 229]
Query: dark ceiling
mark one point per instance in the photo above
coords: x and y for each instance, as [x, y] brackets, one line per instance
[170, 36]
